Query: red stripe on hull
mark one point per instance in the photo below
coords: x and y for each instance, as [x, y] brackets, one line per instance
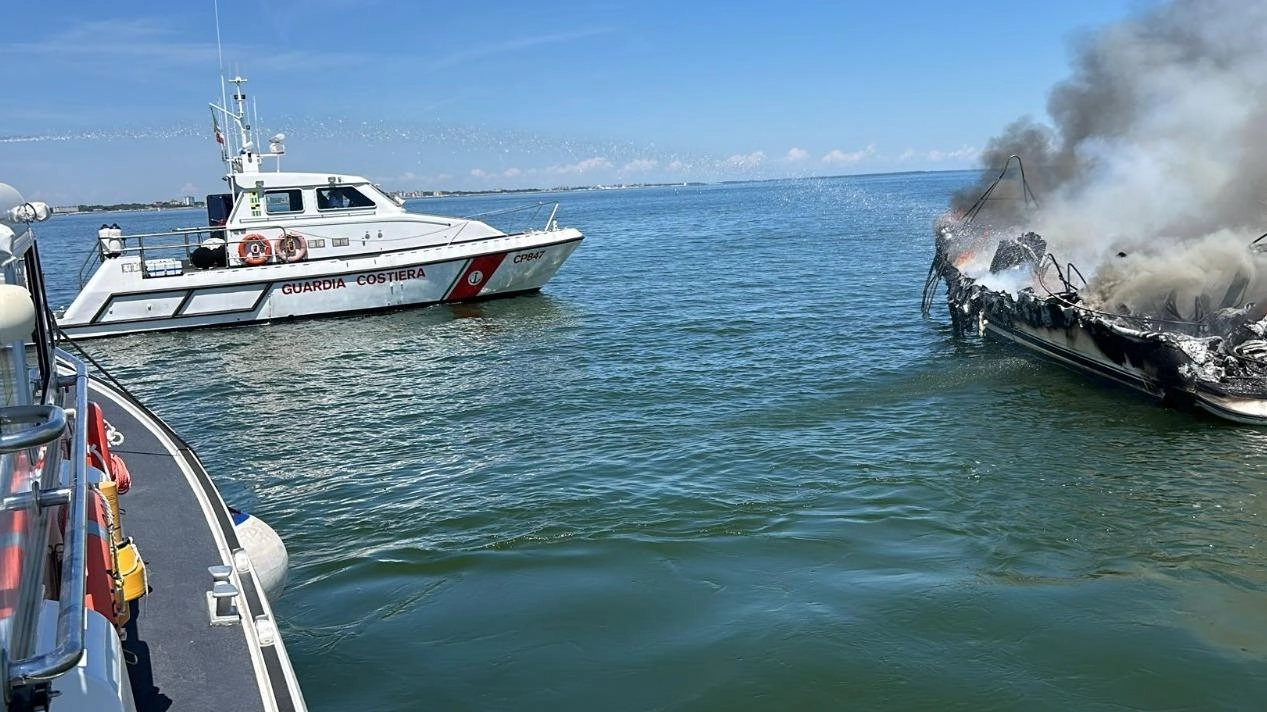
[476, 275]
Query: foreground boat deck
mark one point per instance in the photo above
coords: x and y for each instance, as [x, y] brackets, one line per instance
[182, 527]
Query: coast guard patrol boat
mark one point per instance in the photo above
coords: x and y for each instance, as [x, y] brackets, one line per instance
[286, 244]
[84, 626]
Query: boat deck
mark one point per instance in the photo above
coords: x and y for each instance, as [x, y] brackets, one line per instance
[179, 661]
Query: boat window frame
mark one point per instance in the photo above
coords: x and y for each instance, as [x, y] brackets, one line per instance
[292, 195]
[360, 201]
[397, 200]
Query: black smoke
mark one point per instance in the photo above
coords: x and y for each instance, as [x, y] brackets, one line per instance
[1156, 148]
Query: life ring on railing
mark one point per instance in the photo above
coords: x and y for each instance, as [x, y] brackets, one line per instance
[292, 247]
[13, 524]
[99, 455]
[255, 250]
[103, 589]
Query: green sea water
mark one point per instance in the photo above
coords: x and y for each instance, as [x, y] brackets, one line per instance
[719, 463]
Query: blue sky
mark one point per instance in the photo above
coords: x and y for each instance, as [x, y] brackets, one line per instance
[107, 102]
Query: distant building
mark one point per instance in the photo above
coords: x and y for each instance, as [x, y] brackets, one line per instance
[64, 209]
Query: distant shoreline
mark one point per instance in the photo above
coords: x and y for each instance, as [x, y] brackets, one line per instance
[426, 194]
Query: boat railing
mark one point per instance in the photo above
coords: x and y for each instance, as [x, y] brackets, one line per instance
[166, 253]
[1027, 195]
[520, 218]
[37, 482]
[160, 253]
[1065, 276]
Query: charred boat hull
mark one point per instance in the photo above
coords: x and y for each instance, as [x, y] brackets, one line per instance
[1205, 372]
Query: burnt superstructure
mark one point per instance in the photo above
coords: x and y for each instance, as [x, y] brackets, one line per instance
[1206, 353]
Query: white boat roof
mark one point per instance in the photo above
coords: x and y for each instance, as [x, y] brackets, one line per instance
[292, 179]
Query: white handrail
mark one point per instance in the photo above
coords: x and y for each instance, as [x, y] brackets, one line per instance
[72, 612]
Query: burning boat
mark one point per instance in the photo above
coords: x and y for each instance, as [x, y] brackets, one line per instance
[1204, 348]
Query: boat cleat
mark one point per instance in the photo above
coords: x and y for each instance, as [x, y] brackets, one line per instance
[222, 608]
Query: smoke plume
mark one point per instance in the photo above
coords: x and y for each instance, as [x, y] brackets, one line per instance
[1152, 177]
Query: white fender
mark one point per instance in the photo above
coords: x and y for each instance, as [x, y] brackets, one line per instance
[267, 552]
[17, 313]
[99, 682]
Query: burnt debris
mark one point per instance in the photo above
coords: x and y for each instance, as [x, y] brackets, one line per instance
[1219, 349]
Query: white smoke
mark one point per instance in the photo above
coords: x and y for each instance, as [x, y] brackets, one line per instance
[1158, 150]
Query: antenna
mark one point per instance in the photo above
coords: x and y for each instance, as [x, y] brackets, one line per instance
[242, 116]
[224, 100]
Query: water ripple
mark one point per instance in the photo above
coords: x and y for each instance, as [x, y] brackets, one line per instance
[721, 462]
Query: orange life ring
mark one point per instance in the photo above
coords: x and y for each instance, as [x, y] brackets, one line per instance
[99, 455]
[292, 247]
[13, 524]
[255, 250]
[101, 592]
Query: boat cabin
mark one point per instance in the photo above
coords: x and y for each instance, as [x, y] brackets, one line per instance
[281, 196]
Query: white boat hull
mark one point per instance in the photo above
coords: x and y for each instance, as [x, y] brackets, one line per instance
[117, 300]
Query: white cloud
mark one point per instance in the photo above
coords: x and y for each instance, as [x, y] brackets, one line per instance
[838, 156]
[677, 166]
[958, 153]
[413, 181]
[796, 154]
[474, 53]
[937, 155]
[640, 165]
[751, 160]
[587, 165]
[511, 173]
[136, 46]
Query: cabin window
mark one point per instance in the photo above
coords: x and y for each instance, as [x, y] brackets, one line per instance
[284, 201]
[342, 198]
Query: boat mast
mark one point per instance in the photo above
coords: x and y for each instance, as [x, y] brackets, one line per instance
[244, 128]
[239, 151]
